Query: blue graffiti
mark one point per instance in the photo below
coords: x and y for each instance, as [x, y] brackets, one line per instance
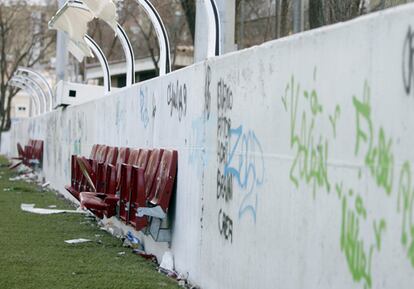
[246, 168]
[143, 103]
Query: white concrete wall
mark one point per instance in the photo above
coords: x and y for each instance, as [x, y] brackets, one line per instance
[296, 158]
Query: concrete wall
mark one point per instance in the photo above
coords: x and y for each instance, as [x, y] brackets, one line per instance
[296, 164]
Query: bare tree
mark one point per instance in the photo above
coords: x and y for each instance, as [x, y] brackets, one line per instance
[316, 15]
[189, 7]
[23, 42]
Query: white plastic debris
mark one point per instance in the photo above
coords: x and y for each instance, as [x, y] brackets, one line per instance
[45, 185]
[77, 241]
[31, 209]
[167, 262]
[51, 206]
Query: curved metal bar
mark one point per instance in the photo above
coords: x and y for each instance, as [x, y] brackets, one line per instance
[35, 86]
[43, 80]
[164, 43]
[214, 28]
[32, 92]
[125, 43]
[102, 60]
[129, 54]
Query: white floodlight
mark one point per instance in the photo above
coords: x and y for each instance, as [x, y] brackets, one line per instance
[106, 10]
[80, 45]
[73, 18]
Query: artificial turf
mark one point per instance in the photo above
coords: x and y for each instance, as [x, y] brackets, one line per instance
[33, 253]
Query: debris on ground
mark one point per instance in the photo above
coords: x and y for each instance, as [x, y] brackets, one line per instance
[133, 242]
[31, 209]
[52, 206]
[111, 229]
[167, 264]
[121, 253]
[44, 185]
[77, 241]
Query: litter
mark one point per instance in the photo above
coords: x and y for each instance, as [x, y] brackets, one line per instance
[45, 185]
[135, 243]
[114, 231]
[52, 206]
[31, 209]
[167, 263]
[121, 253]
[6, 189]
[78, 241]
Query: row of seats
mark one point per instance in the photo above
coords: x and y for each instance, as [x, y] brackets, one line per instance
[133, 184]
[30, 155]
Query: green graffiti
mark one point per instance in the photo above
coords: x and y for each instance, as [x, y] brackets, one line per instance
[375, 147]
[310, 162]
[363, 111]
[378, 230]
[380, 162]
[405, 206]
[339, 188]
[359, 206]
[379, 157]
[334, 118]
[358, 260]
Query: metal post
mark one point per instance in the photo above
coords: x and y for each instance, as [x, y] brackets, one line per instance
[129, 55]
[163, 41]
[61, 51]
[102, 60]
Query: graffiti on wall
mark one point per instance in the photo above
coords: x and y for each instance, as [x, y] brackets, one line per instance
[224, 182]
[241, 166]
[375, 148]
[177, 99]
[207, 94]
[245, 165]
[143, 106]
[408, 61]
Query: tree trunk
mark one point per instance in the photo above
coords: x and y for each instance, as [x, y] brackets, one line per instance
[189, 7]
[284, 15]
[316, 15]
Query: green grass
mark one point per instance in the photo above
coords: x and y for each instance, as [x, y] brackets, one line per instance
[33, 253]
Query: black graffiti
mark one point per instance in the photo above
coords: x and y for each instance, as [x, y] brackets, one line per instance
[224, 181]
[177, 98]
[207, 94]
[224, 96]
[408, 61]
[223, 134]
[225, 225]
[224, 186]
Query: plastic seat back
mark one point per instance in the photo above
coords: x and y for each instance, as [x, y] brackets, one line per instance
[151, 169]
[111, 156]
[101, 153]
[93, 151]
[20, 151]
[164, 180]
